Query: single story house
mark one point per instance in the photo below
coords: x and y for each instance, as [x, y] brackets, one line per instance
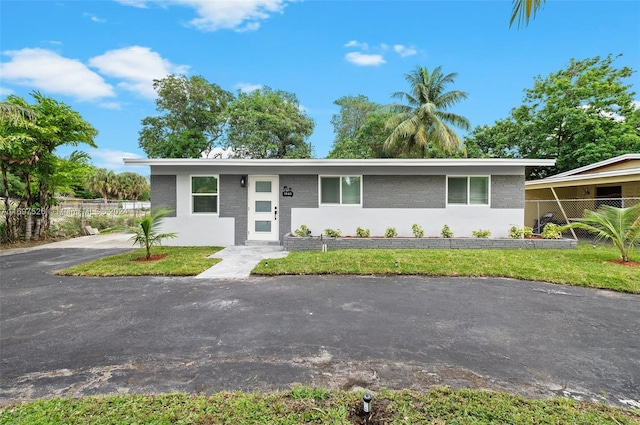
[615, 181]
[237, 201]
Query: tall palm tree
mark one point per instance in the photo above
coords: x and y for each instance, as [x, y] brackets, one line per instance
[424, 120]
[522, 9]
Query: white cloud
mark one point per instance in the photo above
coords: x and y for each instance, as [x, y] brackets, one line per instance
[356, 43]
[247, 87]
[137, 66]
[238, 15]
[404, 51]
[636, 103]
[364, 59]
[94, 18]
[135, 3]
[42, 69]
[111, 159]
[111, 105]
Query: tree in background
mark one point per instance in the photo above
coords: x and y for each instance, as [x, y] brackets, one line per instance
[354, 111]
[424, 121]
[123, 186]
[193, 121]
[101, 181]
[27, 152]
[359, 129]
[579, 115]
[268, 123]
[131, 185]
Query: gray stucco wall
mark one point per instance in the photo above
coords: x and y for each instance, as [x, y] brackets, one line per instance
[305, 195]
[233, 203]
[404, 192]
[507, 191]
[163, 192]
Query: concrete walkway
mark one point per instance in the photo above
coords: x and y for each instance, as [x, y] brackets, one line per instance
[238, 261]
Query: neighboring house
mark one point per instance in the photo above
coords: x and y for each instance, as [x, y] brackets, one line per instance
[615, 181]
[237, 201]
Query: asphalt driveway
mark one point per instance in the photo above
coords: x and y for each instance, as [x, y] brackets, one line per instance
[78, 336]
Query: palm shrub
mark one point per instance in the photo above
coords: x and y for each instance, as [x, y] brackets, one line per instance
[147, 232]
[620, 226]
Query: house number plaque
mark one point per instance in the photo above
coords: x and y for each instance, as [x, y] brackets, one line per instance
[287, 192]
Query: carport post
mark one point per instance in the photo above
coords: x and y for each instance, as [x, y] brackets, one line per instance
[564, 214]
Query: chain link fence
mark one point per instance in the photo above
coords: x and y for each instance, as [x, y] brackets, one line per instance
[540, 212]
[87, 208]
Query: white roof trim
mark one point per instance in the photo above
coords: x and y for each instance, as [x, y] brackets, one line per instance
[604, 163]
[582, 178]
[448, 162]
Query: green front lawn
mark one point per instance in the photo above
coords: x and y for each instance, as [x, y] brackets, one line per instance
[304, 405]
[585, 266]
[180, 261]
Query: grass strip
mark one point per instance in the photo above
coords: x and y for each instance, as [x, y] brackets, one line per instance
[304, 405]
[585, 266]
[180, 261]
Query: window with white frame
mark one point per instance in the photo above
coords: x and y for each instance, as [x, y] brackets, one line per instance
[468, 190]
[204, 194]
[340, 190]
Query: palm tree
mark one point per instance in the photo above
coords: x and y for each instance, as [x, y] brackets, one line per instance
[522, 9]
[147, 233]
[101, 181]
[620, 226]
[424, 120]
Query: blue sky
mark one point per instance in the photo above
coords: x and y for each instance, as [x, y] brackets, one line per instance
[100, 57]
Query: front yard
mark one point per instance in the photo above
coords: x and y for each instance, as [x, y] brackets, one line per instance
[585, 266]
[179, 261]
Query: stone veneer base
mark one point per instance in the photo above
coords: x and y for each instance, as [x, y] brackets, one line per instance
[311, 243]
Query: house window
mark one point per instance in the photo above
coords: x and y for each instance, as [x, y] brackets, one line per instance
[471, 190]
[204, 194]
[340, 190]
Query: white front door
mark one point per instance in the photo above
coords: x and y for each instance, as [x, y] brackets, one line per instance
[263, 211]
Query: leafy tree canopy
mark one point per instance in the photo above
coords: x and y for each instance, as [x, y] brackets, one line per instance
[30, 136]
[193, 120]
[579, 115]
[268, 123]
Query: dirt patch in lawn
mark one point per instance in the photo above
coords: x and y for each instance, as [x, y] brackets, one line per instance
[625, 263]
[154, 257]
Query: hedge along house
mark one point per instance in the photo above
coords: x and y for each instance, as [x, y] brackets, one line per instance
[240, 201]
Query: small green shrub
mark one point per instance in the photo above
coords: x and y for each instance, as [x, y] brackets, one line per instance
[390, 232]
[303, 231]
[331, 233]
[446, 232]
[417, 230]
[551, 231]
[516, 232]
[70, 226]
[362, 233]
[482, 234]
